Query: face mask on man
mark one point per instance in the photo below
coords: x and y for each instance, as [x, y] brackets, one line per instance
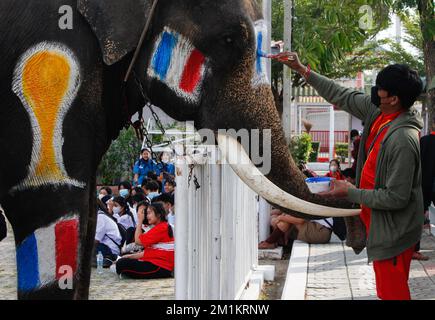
[123, 193]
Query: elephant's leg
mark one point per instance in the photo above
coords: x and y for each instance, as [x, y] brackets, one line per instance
[53, 241]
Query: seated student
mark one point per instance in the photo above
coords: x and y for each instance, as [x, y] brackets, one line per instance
[122, 214]
[107, 238]
[335, 170]
[170, 186]
[152, 176]
[168, 204]
[136, 190]
[103, 192]
[312, 232]
[152, 190]
[135, 200]
[157, 259]
[165, 169]
[3, 226]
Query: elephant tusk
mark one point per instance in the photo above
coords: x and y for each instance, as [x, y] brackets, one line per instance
[242, 165]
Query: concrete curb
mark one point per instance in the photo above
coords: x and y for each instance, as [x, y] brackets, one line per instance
[297, 272]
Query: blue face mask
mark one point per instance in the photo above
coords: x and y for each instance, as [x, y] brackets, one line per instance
[123, 193]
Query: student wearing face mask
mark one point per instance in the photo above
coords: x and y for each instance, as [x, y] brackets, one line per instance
[165, 169]
[103, 192]
[335, 170]
[124, 190]
[123, 215]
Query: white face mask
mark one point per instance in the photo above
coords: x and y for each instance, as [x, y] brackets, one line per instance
[333, 169]
[101, 196]
[116, 210]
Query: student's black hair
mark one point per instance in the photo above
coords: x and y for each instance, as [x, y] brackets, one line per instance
[108, 190]
[160, 212]
[125, 184]
[354, 133]
[165, 198]
[171, 182]
[138, 190]
[152, 175]
[400, 80]
[152, 185]
[138, 197]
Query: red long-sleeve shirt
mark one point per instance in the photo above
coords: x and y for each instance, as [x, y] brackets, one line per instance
[158, 247]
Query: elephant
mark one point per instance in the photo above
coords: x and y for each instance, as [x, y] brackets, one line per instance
[64, 102]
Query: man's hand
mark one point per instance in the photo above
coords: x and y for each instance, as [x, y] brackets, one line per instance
[291, 60]
[339, 189]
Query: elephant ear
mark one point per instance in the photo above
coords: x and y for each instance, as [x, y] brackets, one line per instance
[117, 24]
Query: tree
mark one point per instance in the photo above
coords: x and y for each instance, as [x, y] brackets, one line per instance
[326, 32]
[426, 10]
[117, 164]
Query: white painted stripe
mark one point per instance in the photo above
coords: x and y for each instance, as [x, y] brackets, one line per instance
[297, 272]
[170, 246]
[46, 241]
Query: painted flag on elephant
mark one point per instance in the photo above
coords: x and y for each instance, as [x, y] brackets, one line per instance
[47, 254]
[179, 65]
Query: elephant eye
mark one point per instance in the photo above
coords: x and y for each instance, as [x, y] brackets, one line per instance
[228, 40]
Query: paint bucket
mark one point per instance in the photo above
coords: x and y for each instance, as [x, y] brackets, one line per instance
[320, 184]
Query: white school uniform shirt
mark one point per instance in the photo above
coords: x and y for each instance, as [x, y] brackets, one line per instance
[323, 222]
[171, 219]
[126, 221]
[106, 228]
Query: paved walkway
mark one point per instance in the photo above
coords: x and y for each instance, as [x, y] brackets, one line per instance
[333, 272]
[106, 286]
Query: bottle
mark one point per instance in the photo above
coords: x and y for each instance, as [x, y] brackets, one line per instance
[100, 262]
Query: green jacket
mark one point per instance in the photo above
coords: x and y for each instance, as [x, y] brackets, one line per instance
[397, 200]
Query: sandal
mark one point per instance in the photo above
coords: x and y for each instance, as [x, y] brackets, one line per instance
[420, 257]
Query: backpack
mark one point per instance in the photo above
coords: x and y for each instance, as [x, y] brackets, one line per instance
[339, 228]
[122, 232]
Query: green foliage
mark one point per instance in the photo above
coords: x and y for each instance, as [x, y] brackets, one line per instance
[300, 147]
[326, 32]
[342, 151]
[118, 162]
[314, 155]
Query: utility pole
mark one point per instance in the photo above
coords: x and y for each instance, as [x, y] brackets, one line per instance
[264, 208]
[287, 83]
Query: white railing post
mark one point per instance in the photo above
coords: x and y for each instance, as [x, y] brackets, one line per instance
[181, 233]
[216, 214]
[263, 219]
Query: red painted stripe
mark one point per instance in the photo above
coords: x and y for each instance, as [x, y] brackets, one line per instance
[433, 133]
[192, 71]
[66, 235]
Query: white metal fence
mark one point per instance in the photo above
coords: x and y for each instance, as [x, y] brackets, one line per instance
[216, 234]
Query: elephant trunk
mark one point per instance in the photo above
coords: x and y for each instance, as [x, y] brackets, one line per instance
[247, 105]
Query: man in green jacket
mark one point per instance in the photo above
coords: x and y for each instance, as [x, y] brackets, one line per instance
[388, 179]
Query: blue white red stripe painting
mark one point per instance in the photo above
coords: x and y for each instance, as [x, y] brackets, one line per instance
[260, 75]
[44, 252]
[178, 64]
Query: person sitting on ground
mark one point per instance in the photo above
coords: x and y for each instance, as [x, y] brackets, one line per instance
[107, 238]
[104, 191]
[312, 232]
[168, 203]
[157, 259]
[122, 214]
[102, 203]
[133, 247]
[124, 190]
[152, 176]
[170, 187]
[166, 169]
[152, 190]
[335, 170]
[136, 199]
[3, 226]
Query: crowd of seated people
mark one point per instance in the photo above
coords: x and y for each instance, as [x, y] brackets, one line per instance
[136, 222]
